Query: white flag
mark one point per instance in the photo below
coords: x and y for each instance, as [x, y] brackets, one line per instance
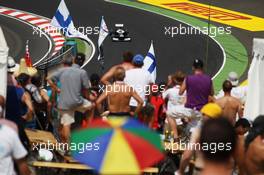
[150, 62]
[3, 63]
[63, 20]
[103, 32]
[255, 102]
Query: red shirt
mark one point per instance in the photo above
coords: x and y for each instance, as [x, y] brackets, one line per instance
[157, 102]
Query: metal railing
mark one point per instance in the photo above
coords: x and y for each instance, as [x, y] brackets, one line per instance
[54, 60]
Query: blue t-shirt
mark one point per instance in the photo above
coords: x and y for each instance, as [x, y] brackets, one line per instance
[13, 105]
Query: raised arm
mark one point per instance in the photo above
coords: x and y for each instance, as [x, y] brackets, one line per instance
[240, 110]
[138, 99]
[53, 85]
[27, 100]
[99, 101]
[182, 88]
[108, 75]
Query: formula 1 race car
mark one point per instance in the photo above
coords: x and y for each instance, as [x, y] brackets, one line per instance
[120, 34]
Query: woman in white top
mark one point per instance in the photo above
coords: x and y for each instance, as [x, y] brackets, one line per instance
[175, 106]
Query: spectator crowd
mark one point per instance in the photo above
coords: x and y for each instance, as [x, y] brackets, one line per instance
[72, 100]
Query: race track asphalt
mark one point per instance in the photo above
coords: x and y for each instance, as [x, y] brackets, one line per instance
[17, 33]
[171, 53]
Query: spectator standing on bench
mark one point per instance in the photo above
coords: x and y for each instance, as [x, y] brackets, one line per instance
[140, 79]
[118, 96]
[199, 88]
[74, 82]
[175, 106]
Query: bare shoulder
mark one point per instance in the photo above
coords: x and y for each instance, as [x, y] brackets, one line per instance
[236, 100]
[220, 100]
[113, 68]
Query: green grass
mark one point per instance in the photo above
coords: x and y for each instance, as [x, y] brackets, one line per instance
[81, 47]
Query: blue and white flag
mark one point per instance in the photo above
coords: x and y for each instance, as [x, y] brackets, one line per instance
[150, 62]
[63, 21]
[103, 33]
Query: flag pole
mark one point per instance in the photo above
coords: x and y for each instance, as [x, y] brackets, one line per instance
[208, 35]
[102, 36]
[101, 57]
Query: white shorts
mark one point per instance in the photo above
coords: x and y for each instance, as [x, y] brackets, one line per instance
[67, 116]
[180, 111]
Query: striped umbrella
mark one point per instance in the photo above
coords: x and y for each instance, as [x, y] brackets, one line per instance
[117, 146]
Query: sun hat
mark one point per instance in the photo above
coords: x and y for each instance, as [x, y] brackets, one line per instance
[12, 66]
[31, 71]
[233, 78]
[211, 110]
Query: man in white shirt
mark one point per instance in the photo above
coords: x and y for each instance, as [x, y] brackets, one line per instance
[139, 79]
[11, 149]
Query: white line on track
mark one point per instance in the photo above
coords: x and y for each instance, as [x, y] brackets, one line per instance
[48, 38]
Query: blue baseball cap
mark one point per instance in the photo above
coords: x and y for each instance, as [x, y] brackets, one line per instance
[138, 59]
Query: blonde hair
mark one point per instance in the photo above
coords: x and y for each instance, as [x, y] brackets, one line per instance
[119, 73]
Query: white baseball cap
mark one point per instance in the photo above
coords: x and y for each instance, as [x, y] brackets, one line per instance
[12, 66]
[233, 78]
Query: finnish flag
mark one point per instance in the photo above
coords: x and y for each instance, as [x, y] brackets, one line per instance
[63, 21]
[150, 62]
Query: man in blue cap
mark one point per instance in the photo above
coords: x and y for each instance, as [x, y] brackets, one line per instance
[139, 79]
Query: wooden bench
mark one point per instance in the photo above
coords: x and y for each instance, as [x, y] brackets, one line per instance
[38, 137]
[77, 166]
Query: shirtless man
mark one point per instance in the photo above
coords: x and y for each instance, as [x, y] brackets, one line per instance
[231, 106]
[242, 127]
[254, 144]
[126, 64]
[118, 95]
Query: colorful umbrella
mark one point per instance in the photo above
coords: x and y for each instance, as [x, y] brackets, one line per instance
[117, 146]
